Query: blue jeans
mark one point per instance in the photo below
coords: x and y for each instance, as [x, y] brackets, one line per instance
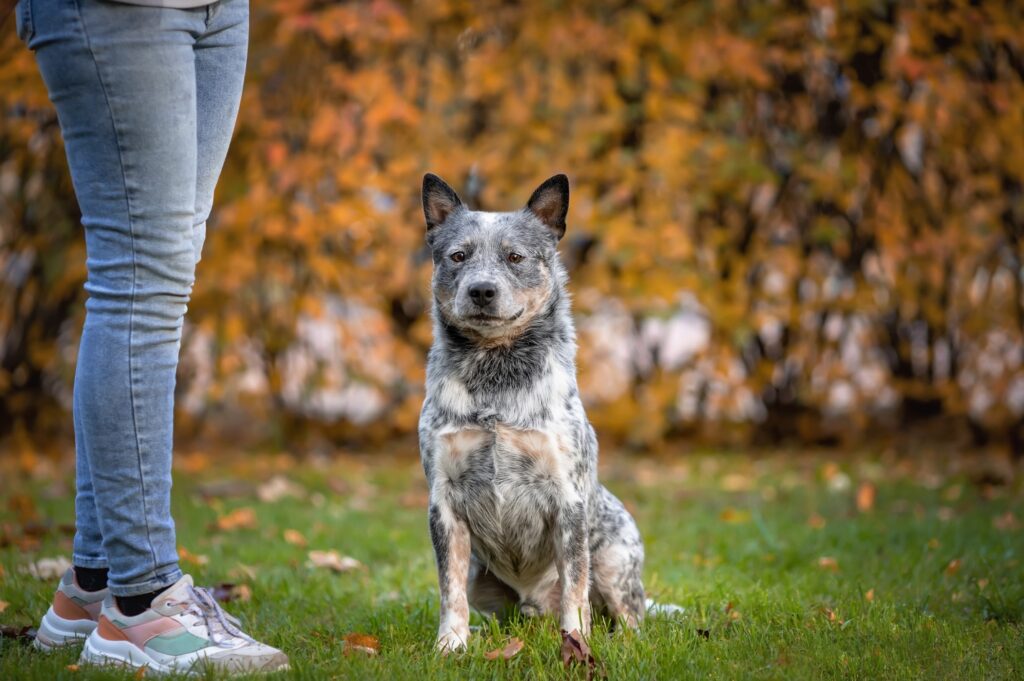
[147, 99]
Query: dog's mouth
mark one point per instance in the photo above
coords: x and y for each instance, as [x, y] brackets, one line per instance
[484, 319]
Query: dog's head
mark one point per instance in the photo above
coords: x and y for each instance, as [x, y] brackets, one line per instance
[494, 272]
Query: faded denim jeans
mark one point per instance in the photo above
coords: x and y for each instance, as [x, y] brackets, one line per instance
[147, 99]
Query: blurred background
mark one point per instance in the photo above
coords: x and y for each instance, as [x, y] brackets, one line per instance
[791, 223]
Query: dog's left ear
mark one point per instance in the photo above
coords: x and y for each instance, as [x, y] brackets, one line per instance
[550, 203]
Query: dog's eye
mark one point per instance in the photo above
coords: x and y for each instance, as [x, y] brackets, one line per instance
[457, 256]
[514, 258]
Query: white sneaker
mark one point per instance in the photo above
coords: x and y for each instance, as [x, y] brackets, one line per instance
[184, 631]
[71, 617]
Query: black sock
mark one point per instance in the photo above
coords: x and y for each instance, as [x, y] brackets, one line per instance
[136, 605]
[91, 579]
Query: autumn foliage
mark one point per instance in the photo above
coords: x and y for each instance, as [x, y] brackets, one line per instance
[787, 219]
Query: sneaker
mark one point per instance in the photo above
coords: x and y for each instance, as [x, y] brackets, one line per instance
[184, 631]
[72, 617]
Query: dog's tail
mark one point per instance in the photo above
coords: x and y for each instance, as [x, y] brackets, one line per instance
[664, 609]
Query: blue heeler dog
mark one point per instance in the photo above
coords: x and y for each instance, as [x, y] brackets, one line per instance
[517, 517]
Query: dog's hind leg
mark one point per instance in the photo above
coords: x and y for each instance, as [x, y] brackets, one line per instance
[617, 561]
[489, 595]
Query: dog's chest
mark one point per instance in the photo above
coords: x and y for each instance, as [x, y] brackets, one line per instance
[507, 484]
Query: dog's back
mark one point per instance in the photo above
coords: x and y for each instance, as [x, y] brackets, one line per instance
[517, 516]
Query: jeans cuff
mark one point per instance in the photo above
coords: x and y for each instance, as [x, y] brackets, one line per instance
[85, 562]
[153, 582]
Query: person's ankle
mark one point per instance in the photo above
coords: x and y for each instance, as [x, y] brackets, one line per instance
[91, 579]
[138, 604]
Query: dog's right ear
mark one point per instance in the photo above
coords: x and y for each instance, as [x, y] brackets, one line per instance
[439, 200]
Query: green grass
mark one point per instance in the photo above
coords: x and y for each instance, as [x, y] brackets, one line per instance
[737, 541]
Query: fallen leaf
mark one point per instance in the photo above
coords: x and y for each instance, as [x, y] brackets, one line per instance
[49, 568]
[227, 592]
[737, 482]
[953, 567]
[19, 634]
[295, 538]
[361, 643]
[332, 560]
[1006, 521]
[141, 672]
[3, 605]
[865, 497]
[576, 651]
[945, 513]
[506, 653]
[732, 515]
[243, 518]
[870, 595]
[816, 521]
[188, 557]
[828, 563]
[982, 583]
[279, 487]
[72, 667]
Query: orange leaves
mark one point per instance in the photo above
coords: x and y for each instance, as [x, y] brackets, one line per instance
[507, 652]
[865, 497]
[333, 561]
[828, 563]
[364, 644]
[243, 518]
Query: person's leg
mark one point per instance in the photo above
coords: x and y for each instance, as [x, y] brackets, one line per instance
[122, 79]
[221, 55]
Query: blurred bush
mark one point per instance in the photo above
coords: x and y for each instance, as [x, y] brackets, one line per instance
[787, 220]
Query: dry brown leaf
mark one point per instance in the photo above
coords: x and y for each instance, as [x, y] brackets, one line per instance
[227, 592]
[361, 643]
[953, 567]
[187, 556]
[828, 563]
[279, 487]
[870, 595]
[72, 667]
[865, 497]
[141, 672]
[332, 560]
[1006, 521]
[3, 605]
[295, 538]
[507, 653]
[816, 521]
[243, 518]
[576, 651]
[49, 568]
[732, 515]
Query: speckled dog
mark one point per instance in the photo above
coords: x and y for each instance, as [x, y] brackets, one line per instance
[517, 516]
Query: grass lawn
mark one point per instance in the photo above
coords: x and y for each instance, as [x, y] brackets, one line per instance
[827, 567]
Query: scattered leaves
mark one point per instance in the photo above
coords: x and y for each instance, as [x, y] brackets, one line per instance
[508, 652]
[295, 538]
[243, 518]
[865, 497]
[361, 643]
[187, 556]
[332, 560]
[279, 487]
[228, 591]
[576, 651]
[49, 568]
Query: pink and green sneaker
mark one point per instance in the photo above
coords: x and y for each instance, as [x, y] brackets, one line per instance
[71, 617]
[184, 631]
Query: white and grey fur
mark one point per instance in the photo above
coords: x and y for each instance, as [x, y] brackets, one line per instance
[517, 516]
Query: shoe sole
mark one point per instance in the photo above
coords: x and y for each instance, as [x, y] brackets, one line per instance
[55, 632]
[103, 652]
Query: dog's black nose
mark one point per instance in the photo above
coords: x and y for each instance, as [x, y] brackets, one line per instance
[482, 293]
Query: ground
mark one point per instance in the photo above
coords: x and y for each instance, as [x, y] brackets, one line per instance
[827, 566]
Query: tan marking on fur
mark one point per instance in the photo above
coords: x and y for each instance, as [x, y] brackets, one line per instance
[533, 301]
[462, 442]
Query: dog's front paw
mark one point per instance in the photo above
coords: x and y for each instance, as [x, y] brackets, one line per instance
[452, 641]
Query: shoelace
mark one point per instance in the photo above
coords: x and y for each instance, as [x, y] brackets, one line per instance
[214, 617]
